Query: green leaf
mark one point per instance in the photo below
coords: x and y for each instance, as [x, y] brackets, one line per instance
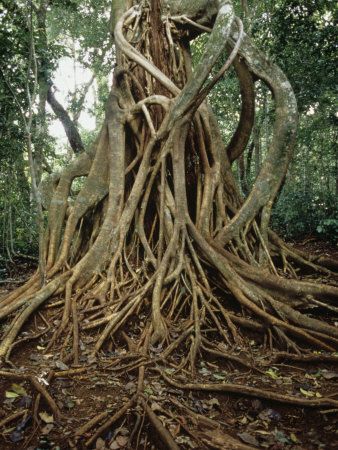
[18, 389]
[11, 394]
[307, 393]
[272, 374]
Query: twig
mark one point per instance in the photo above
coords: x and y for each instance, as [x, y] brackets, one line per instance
[12, 417]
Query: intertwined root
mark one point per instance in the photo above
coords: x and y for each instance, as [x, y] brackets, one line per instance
[159, 229]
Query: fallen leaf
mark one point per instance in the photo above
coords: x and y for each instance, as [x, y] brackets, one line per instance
[294, 438]
[100, 444]
[185, 440]
[210, 404]
[16, 436]
[46, 417]
[204, 372]
[61, 365]
[281, 437]
[122, 440]
[148, 390]
[20, 390]
[248, 438]
[47, 429]
[155, 406]
[11, 394]
[218, 376]
[272, 374]
[124, 431]
[269, 414]
[307, 393]
[328, 375]
[131, 387]
[69, 403]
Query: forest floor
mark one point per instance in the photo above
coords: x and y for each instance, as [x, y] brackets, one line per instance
[100, 386]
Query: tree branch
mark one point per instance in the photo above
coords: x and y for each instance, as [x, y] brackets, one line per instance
[72, 132]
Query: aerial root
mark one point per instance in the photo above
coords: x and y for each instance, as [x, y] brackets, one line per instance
[15, 327]
[305, 358]
[212, 350]
[274, 315]
[205, 307]
[138, 398]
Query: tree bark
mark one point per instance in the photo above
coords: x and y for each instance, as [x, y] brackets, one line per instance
[69, 126]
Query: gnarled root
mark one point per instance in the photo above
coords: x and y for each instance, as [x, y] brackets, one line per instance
[160, 231]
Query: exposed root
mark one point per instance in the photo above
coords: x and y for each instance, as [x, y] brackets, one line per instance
[160, 242]
[108, 423]
[163, 433]
[252, 392]
[13, 417]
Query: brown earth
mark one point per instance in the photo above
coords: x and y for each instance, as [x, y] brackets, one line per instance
[105, 384]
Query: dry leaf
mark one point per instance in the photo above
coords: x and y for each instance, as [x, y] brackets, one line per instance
[100, 444]
[122, 440]
[46, 417]
[248, 438]
[18, 389]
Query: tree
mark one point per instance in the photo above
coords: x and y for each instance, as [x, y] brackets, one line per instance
[159, 228]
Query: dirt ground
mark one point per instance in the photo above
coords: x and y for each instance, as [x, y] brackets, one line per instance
[99, 387]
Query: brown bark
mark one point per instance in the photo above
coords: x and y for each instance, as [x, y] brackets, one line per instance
[69, 126]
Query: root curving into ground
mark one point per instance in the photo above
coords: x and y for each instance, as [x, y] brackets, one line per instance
[159, 250]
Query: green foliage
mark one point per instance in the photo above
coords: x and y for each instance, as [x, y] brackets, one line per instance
[298, 213]
[85, 23]
[329, 228]
[61, 28]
